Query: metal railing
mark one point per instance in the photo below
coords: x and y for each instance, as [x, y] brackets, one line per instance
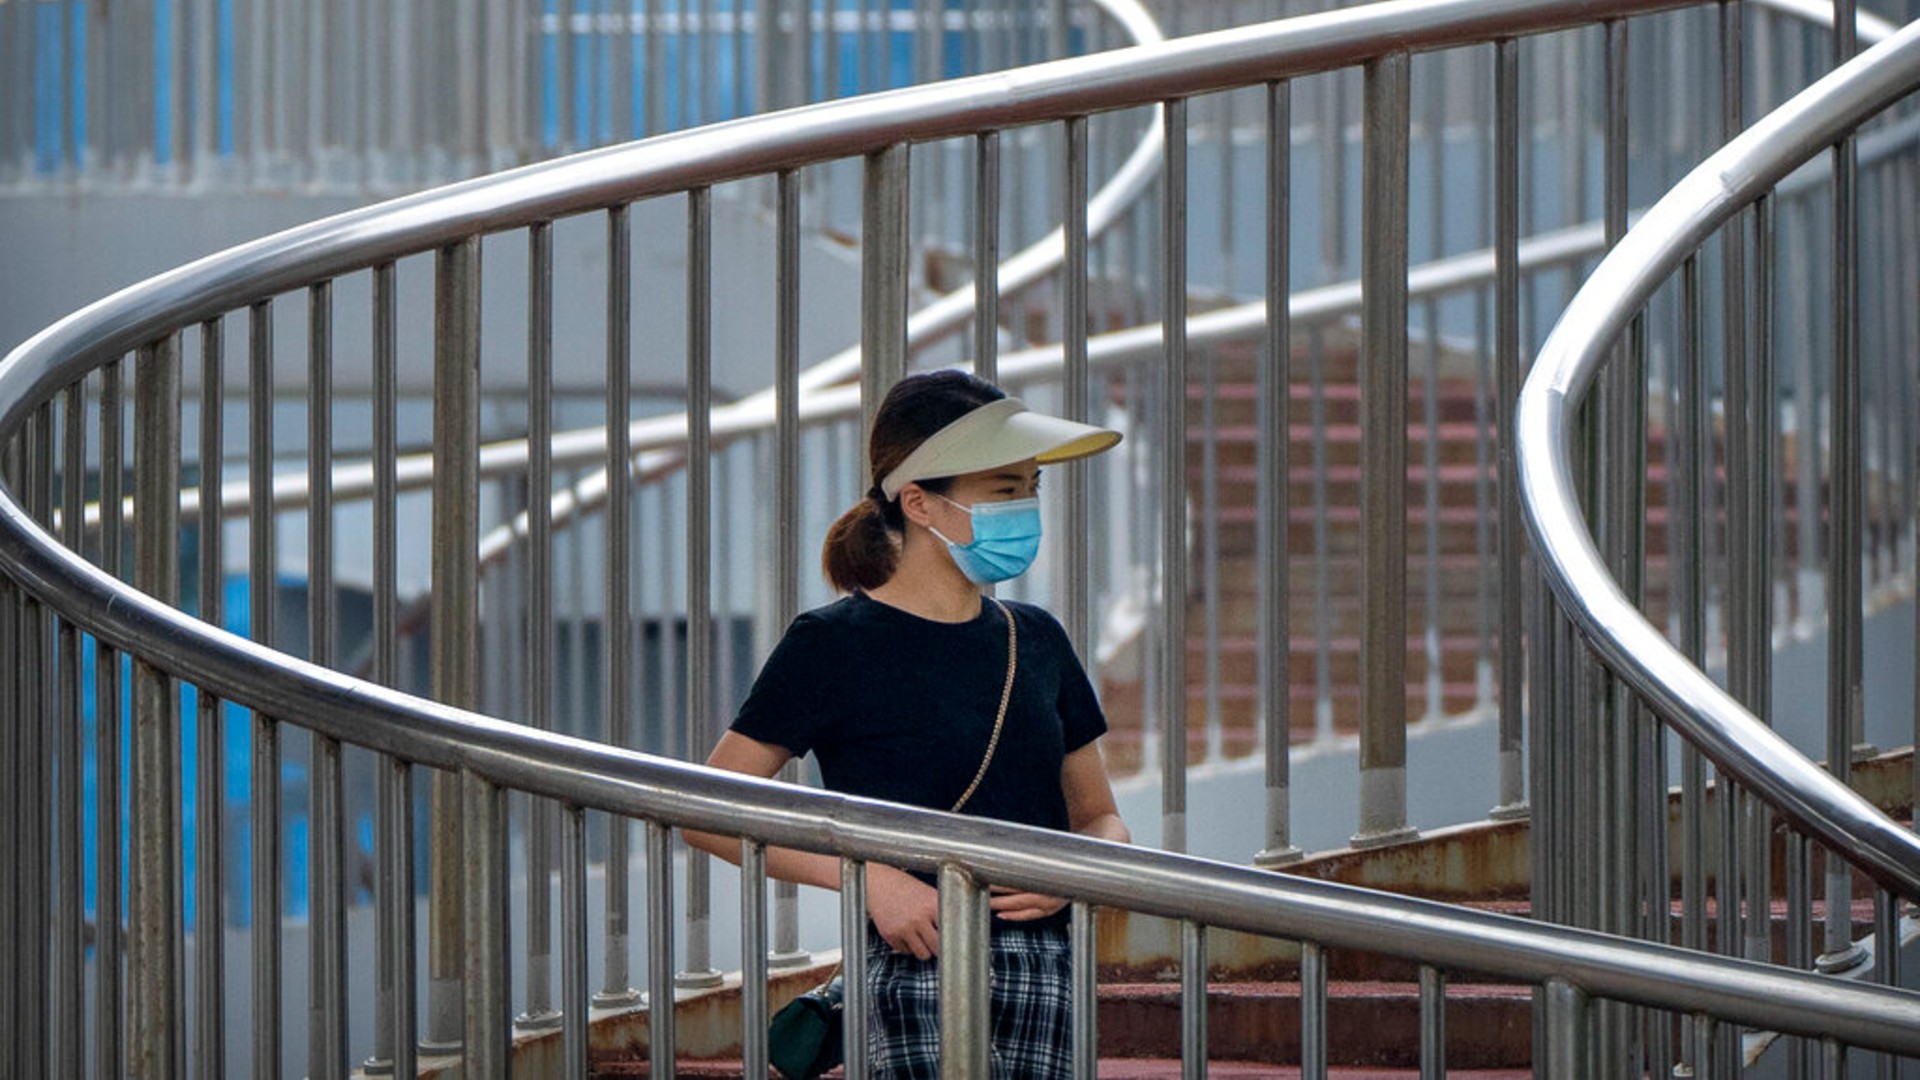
[1582, 426]
[78, 364]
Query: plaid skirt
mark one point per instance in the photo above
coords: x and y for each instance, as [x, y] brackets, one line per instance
[1032, 1000]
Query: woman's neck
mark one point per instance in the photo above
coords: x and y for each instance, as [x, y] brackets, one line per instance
[926, 583]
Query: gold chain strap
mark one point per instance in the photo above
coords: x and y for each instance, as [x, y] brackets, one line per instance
[1000, 718]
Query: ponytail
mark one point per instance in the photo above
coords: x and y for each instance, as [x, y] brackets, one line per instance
[862, 547]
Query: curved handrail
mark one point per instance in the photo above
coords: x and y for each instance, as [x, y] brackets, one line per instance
[626, 782]
[1732, 178]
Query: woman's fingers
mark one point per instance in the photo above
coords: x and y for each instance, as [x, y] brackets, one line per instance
[1020, 907]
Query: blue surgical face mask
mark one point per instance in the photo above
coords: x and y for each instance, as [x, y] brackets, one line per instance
[1006, 540]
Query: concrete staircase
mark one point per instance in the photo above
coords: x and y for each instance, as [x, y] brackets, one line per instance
[1462, 653]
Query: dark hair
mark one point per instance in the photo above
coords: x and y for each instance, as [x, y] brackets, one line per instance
[863, 547]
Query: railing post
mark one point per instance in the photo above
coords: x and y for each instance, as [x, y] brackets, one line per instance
[1274, 506]
[455, 606]
[966, 1023]
[786, 498]
[1383, 455]
[884, 274]
[1173, 483]
[1569, 1037]
[699, 531]
[210, 751]
[154, 1000]
[488, 1033]
[1514, 583]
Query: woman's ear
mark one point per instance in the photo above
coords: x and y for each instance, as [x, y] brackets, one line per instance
[913, 504]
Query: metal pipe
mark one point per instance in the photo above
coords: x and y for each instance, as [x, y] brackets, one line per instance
[262, 583]
[540, 1014]
[393, 965]
[109, 936]
[1433, 1022]
[1193, 1001]
[753, 957]
[966, 1021]
[69, 990]
[986, 255]
[1383, 456]
[1313, 1011]
[35, 918]
[154, 1006]
[488, 1036]
[699, 659]
[210, 748]
[1569, 1049]
[573, 941]
[1172, 700]
[1514, 582]
[1845, 710]
[1082, 931]
[1273, 386]
[1076, 531]
[15, 839]
[853, 962]
[454, 642]
[661, 1054]
[786, 492]
[885, 254]
[617, 689]
[327, 1028]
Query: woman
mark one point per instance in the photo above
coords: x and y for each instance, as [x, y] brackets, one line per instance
[915, 687]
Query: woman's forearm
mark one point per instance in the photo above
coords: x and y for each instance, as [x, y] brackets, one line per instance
[783, 864]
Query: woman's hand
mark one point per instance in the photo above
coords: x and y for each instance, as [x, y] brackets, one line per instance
[905, 910]
[1023, 906]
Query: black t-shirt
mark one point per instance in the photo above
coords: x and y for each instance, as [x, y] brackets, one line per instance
[899, 707]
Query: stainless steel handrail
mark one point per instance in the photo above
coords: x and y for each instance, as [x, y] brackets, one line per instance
[1568, 365]
[590, 774]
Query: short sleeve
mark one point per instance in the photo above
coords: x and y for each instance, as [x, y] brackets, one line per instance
[1081, 718]
[784, 708]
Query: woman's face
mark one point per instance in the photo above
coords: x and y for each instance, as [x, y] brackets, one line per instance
[1021, 480]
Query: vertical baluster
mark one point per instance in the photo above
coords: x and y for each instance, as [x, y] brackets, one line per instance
[1687, 512]
[1833, 1059]
[1798, 860]
[966, 1023]
[1758, 477]
[1082, 933]
[986, 255]
[1322, 537]
[1569, 1031]
[1076, 530]
[13, 837]
[884, 277]
[454, 617]
[1845, 713]
[327, 1031]
[210, 750]
[107, 916]
[853, 962]
[656, 74]
[1383, 364]
[753, 957]
[70, 987]
[564, 77]
[1273, 386]
[1172, 707]
[786, 497]
[262, 572]
[1515, 583]
[699, 660]
[573, 941]
[540, 1014]
[617, 629]
[660, 1026]
[394, 1034]
[1433, 1023]
[489, 1035]
[155, 1003]
[1193, 1001]
[1313, 1011]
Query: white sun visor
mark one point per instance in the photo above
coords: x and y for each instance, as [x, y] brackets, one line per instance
[998, 433]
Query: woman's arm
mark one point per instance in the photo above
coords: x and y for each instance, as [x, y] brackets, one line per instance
[1091, 811]
[904, 909]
